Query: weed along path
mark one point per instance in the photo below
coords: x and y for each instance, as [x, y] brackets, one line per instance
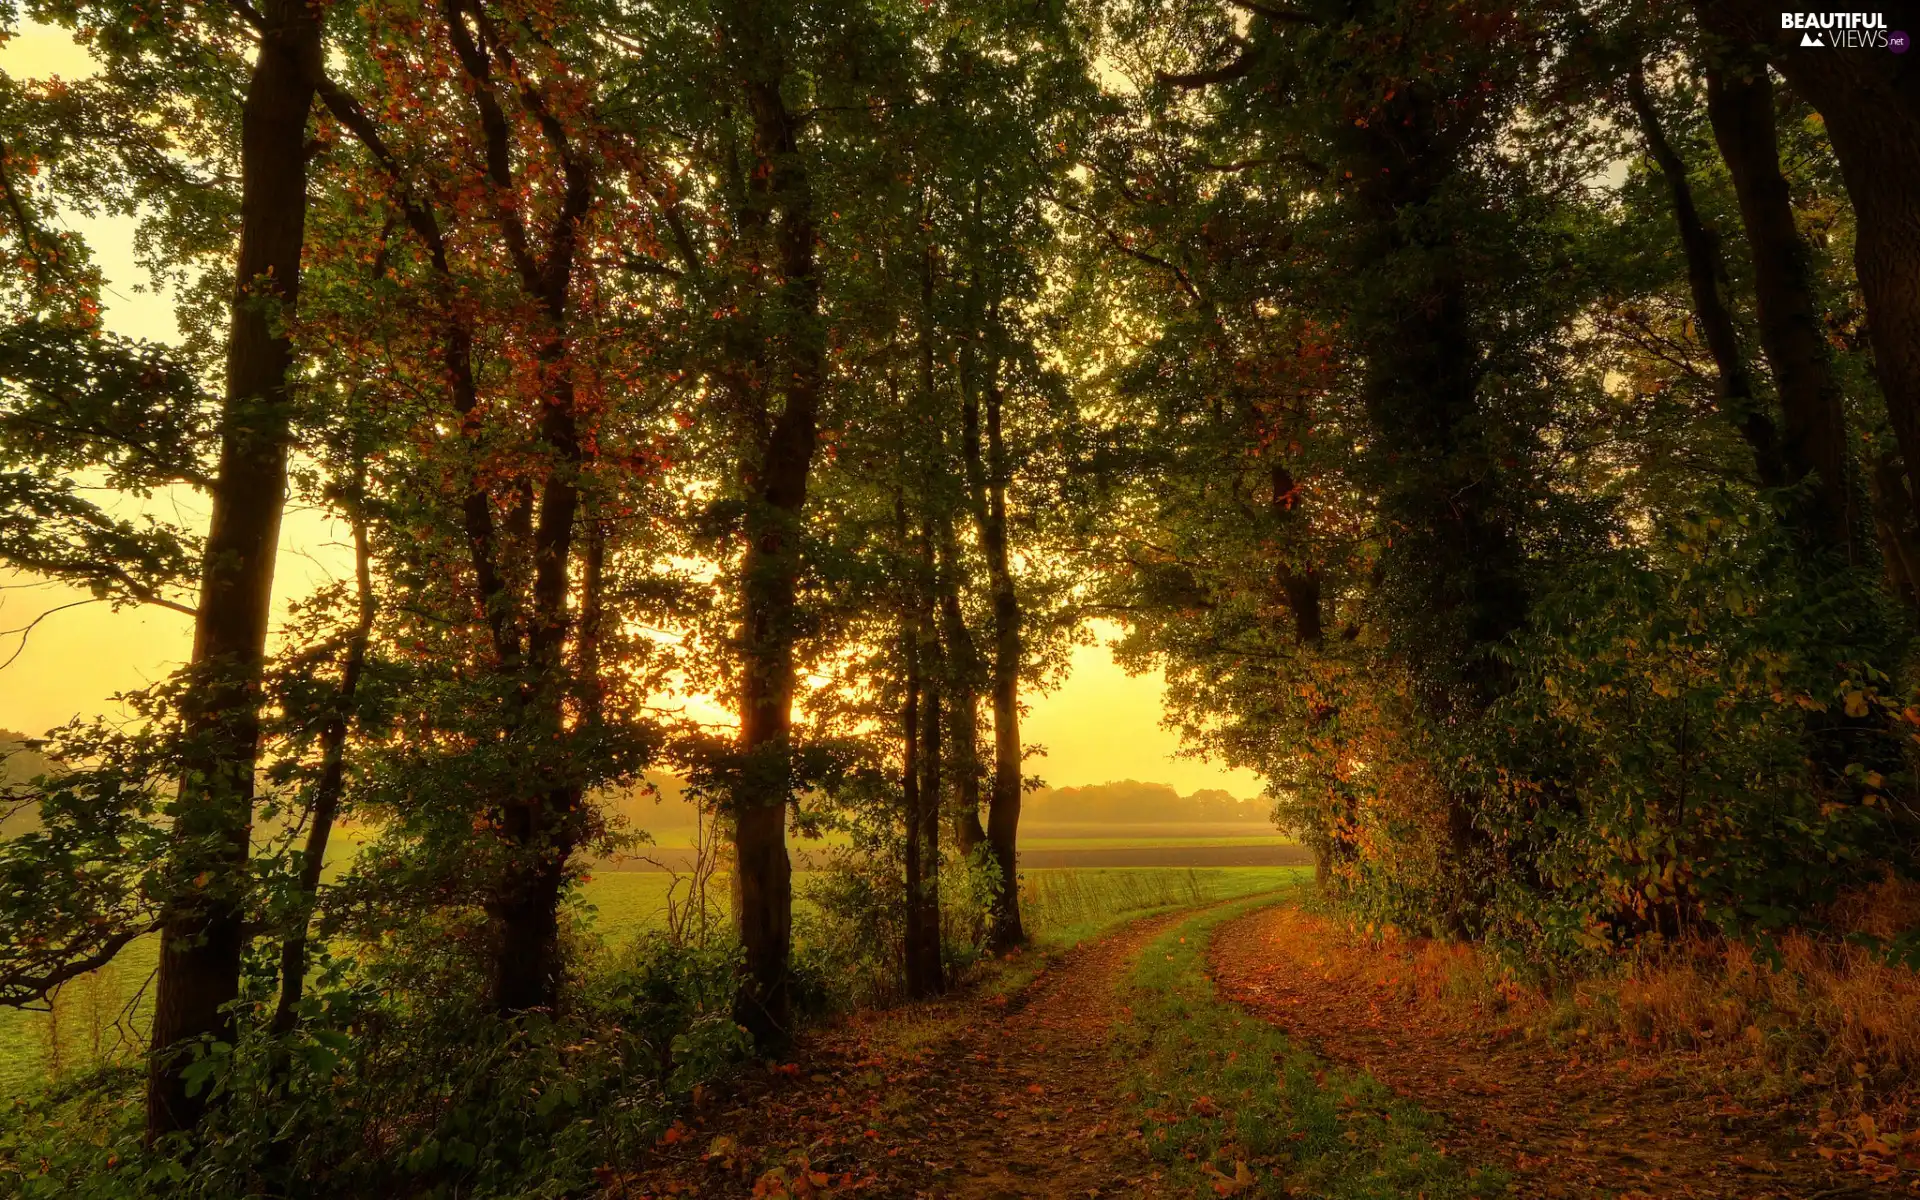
[978, 1097]
[1570, 1121]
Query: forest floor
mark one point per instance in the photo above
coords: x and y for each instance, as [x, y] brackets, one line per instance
[1018, 1092]
[1565, 1120]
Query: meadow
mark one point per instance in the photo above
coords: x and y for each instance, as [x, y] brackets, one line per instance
[103, 1015]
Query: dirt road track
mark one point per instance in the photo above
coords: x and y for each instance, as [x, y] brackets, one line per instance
[962, 1099]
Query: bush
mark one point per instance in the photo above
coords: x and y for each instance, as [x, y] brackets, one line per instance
[1687, 749]
[852, 931]
[379, 1094]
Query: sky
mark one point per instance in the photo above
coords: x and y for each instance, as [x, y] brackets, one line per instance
[1100, 725]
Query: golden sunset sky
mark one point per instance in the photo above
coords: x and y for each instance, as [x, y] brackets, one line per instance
[1100, 725]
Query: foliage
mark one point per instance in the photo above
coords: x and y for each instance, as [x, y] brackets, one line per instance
[1417, 480]
[80, 875]
[1659, 771]
[1401, 384]
[432, 1097]
[851, 934]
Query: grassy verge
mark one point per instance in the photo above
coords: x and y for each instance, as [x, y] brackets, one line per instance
[101, 1018]
[1812, 1029]
[1063, 907]
[1067, 906]
[1233, 1108]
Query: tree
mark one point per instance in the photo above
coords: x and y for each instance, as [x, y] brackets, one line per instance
[1813, 435]
[1873, 119]
[517, 286]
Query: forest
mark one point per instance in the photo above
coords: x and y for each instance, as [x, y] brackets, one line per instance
[1496, 420]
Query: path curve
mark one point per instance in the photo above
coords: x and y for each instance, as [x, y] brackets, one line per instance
[1566, 1128]
[963, 1098]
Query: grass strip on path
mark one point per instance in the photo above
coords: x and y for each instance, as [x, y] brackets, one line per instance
[1068, 908]
[1231, 1107]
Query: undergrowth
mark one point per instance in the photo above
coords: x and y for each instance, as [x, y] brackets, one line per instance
[1823, 1022]
[430, 1096]
[1233, 1108]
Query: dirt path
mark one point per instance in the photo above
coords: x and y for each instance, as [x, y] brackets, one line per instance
[964, 1099]
[1563, 1125]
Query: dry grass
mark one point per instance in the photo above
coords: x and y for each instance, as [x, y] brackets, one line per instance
[1822, 1024]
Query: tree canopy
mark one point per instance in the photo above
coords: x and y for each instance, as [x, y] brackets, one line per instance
[1496, 419]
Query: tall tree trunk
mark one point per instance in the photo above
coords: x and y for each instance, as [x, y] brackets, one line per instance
[963, 706]
[987, 475]
[542, 824]
[1893, 523]
[925, 975]
[1453, 568]
[1707, 280]
[910, 726]
[328, 788]
[1869, 101]
[202, 931]
[1813, 438]
[776, 487]
[960, 655]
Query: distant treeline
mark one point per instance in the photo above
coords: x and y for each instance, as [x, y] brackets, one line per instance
[1129, 802]
[1119, 804]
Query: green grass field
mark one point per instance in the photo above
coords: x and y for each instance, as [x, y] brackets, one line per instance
[1043, 842]
[104, 1015]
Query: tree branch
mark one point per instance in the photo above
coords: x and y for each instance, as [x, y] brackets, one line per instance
[19, 989]
[1279, 16]
[1236, 69]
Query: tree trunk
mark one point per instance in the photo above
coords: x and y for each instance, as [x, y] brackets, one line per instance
[910, 726]
[542, 824]
[1707, 280]
[1813, 438]
[1869, 101]
[327, 790]
[1453, 569]
[925, 976]
[989, 483]
[776, 488]
[543, 827]
[202, 932]
[1299, 586]
[1893, 522]
[961, 657]
[963, 708]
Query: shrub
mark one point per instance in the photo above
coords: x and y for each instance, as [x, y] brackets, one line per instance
[387, 1093]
